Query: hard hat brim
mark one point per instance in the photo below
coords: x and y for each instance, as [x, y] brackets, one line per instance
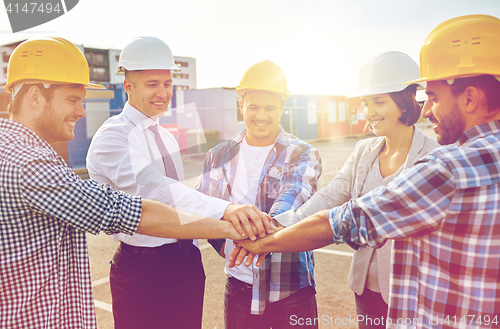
[448, 78]
[120, 70]
[374, 91]
[241, 91]
[386, 90]
[9, 87]
[94, 86]
[416, 81]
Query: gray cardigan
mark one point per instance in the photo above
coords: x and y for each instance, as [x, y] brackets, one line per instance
[346, 185]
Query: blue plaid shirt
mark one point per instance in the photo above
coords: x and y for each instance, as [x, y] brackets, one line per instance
[45, 210]
[288, 179]
[444, 215]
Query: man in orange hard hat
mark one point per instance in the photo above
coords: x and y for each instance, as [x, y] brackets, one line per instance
[276, 171]
[46, 209]
[444, 213]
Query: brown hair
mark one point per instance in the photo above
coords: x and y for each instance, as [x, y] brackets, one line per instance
[16, 103]
[488, 83]
[405, 100]
[131, 76]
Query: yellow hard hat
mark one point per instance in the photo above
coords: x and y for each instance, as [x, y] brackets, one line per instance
[47, 60]
[461, 47]
[264, 75]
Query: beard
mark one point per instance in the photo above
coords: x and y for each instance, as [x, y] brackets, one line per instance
[51, 125]
[451, 126]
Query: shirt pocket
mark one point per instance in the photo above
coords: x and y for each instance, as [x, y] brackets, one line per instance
[274, 176]
[217, 181]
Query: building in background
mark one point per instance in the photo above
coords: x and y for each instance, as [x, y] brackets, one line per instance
[5, 52]
[185, 79]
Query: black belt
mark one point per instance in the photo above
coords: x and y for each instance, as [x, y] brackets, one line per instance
[164, 249]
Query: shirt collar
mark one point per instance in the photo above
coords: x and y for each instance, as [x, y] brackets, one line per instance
[15, 127]
[138, 118]
[479, 131]
[283, 139]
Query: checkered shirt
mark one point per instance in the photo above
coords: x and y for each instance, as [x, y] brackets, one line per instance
[45, 210]
[444, 215]
[288, 179]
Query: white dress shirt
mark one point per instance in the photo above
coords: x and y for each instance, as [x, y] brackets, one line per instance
[123, 154]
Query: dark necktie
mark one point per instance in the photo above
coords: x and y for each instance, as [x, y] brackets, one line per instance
[168, 164]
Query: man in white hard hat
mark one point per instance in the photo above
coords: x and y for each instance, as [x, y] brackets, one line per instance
[276, 171]
[391, 111]
[46, 209]
[444, 213]
[155, 282]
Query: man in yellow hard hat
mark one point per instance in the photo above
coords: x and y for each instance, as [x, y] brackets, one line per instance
[444, 213]
[276, 171]
[46, 209]
[155, 282]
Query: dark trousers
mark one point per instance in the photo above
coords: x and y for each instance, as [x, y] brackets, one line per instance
[372, 307]
[289, 312]
[157, 290]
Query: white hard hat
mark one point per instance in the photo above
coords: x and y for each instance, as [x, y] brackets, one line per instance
[385, 73]
[146, 53]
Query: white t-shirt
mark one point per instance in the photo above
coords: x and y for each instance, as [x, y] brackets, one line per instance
[251, 160]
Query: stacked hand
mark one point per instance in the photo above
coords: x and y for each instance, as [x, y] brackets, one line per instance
[310, 233]
[250, 223]
[244, 248]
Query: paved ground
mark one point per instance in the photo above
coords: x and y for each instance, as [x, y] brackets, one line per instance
[335, 299]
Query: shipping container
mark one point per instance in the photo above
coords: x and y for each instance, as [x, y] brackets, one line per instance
[338, 116]
[300, 116]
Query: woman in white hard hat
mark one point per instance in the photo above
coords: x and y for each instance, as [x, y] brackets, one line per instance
[391, 111]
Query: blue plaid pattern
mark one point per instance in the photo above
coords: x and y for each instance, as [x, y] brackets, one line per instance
[444, 215]
[288, 179]
[45, 211]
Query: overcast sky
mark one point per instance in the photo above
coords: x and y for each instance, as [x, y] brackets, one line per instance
[321, 44]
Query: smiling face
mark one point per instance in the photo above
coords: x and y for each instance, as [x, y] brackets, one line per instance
[149, 91]
[58, 118]
[442, 109]
[261, 111]
[382, 114]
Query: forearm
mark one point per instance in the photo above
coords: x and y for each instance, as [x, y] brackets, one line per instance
[311, 233]
[334, 194]
[163, 221]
